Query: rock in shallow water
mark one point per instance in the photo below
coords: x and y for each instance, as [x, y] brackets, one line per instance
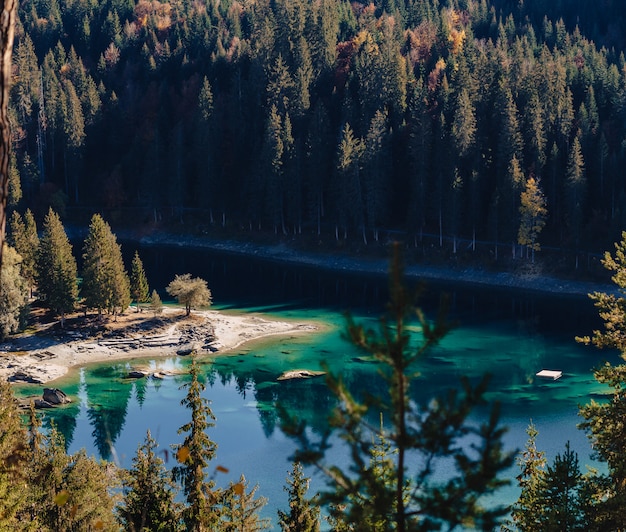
[299, 374]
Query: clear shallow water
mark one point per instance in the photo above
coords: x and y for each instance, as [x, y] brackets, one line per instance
[507, 334]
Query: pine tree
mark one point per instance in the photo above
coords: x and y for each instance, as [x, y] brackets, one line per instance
[240, 510]
[408, 500]
[527, 510]
[56, 268]
[24, 239]
[156, 306]
[139, 288]
[533, 215]
[13, 460]
[194, 455]
[560, 493]
[148, 501]
[28, 250]
[304, 514]
[13, 293]
[605, 422]
[576, 185]
[105, 282]
[349, 206]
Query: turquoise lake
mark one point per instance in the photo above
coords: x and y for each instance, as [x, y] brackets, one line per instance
[509, 334]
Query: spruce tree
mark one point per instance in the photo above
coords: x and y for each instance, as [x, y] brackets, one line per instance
[13, 293]
[304, 514]
[138, 282]
[105, 282]
[240, 510]
[533, 213]
[148, 500]
[28, 250]
[576, 185]
[56, 266]
[194, 455]
[13, 460]
[561, 495]
[156, 305]
[527, 510]
[408, 499]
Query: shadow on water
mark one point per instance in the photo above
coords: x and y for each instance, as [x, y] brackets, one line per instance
[508, 334]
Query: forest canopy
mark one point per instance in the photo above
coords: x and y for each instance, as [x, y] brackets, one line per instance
[423, 116]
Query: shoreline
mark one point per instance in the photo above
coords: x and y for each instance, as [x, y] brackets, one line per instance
[282, 253]
[41, 359]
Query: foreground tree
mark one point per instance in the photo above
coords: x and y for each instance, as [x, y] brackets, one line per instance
[68, 492]
[240, 509]
[13, 294]
[399, 499]
[13, 461]
[190, 292]
[105, 281]
[148, 502]
[25, 240]
[194, 455]
[56, 268]
[526, 512]
[304, 514]
[139, 289]
[605, 422]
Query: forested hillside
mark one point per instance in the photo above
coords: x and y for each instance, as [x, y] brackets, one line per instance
[331, 116]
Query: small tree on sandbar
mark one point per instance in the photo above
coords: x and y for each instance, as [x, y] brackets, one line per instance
[190, 292]
[139, 289]
[156, 305]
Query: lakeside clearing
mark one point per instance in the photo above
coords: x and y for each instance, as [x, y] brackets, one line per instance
[48, 353]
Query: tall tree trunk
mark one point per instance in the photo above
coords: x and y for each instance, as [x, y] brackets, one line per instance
[7, 31]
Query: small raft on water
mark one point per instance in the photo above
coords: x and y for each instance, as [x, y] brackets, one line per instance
[549, 374]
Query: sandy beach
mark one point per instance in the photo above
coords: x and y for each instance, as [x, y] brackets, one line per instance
[48, 355]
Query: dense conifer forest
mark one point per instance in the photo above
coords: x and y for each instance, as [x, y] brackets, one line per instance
[327, 116]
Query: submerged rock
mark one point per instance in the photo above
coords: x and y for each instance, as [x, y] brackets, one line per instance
[299, 374]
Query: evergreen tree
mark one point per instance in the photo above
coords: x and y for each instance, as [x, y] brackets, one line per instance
[139, 288]
[13, 293]
[56, 267]
[13, 460]
[304, 514]
[194, 455]
[156, 306]
[575, 191]
[605, 422]
[527, 510]
[240, 510]
[190, 292]
[105, 282]
[148, 502]
[561, 495]
[408, 500]
[69, 492]
[28, 250]
[349, 206]
[533, 215]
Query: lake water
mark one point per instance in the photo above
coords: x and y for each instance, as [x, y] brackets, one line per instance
[509, 334]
